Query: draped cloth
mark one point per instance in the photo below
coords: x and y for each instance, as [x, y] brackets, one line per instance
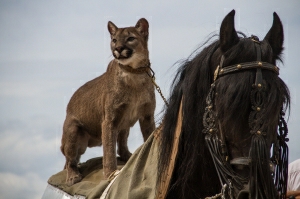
[136, 180]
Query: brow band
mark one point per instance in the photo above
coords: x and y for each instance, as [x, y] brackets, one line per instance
[248, 65]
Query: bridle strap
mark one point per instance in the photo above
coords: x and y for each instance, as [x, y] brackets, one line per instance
[247, 66]
[258, 78]
[241, 161]
[258, 64]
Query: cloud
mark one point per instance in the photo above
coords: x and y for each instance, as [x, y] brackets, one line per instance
[28, 146]
[27, 186]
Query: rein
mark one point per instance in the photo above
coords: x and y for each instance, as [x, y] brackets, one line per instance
[229, 179]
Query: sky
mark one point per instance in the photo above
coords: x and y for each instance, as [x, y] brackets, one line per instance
[48, 49]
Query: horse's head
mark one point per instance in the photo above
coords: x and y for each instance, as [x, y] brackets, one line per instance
[233, 85]
[244, 108]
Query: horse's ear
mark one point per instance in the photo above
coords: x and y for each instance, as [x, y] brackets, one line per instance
[142, 26]
[228, 35]
[275, 35]
[112, 28]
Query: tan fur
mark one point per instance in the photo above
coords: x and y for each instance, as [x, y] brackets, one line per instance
[102, 111]
[293, 194]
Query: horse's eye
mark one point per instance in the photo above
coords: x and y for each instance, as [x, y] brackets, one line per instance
[130, 39]
[114, 40]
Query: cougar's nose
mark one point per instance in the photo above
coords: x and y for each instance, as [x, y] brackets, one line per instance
[119, 49]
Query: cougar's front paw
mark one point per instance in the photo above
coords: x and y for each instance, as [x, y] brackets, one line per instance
[74, 179]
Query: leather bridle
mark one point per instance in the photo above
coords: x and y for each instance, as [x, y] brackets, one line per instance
[215, 138]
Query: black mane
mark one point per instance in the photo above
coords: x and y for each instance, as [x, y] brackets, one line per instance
[193, 82]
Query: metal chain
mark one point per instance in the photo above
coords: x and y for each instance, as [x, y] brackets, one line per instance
[159, 91]
[156, 86]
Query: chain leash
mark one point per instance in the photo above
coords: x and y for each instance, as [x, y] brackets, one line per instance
[152, 76]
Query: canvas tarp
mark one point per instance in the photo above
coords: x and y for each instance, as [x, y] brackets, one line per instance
[137, 180]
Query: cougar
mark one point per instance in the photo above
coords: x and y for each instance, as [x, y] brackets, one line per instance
[102, 111]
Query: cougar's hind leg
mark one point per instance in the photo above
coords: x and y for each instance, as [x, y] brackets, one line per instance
[123, 151]
[73, 147]
[62, 147]
[147, 125]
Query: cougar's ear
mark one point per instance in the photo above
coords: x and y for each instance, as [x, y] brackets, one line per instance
[142, 26]
[112, 28]
[228, 35]
[275, 35]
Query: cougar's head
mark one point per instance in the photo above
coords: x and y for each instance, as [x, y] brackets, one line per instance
[129, 45]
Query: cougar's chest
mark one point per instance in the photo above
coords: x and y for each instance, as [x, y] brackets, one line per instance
[137, 94]
[131, 115]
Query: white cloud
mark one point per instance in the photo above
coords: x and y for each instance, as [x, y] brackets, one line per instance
[26, 147]
[27, 186]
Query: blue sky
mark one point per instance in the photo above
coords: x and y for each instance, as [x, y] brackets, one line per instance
[48, 49]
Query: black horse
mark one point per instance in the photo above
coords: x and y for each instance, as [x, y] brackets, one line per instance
[233, 104]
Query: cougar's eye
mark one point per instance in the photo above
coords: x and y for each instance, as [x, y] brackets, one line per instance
[130, 39]
[114, 40]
